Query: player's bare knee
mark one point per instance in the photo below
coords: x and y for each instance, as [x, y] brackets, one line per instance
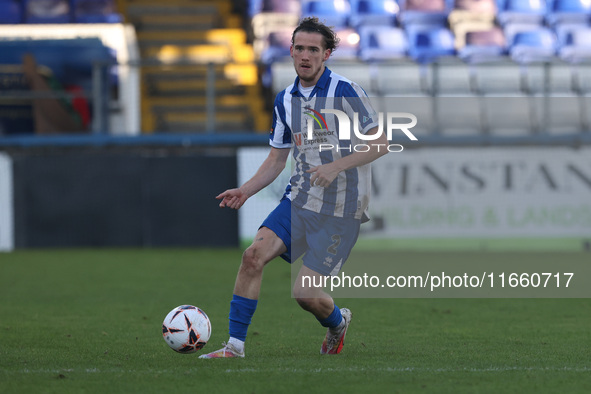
[252, 260]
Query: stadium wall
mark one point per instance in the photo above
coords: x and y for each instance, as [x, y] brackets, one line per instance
[115, 199]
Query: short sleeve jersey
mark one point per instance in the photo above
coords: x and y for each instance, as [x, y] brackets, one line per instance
[348, 195]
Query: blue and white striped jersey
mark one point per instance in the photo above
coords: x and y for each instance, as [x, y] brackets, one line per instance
[348, 195]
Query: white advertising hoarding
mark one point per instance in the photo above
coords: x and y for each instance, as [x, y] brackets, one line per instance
[6, 206]
[501, 192]
[483, 192]
[256, 209]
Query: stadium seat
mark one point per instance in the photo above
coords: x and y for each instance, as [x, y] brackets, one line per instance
[538, 45]
[373, 13]
[483, 46]
[431, 13]
[10, 12]
[348, 48]
[429, 44]
[47, 11]
[95, 11]
[382, 43]
[511, 29]
[569, 11]
[522, 11]
[576, 47]
[332, 12]
[255, 7]
[471, 15]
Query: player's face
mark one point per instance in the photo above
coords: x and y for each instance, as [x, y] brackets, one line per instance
[309, 55]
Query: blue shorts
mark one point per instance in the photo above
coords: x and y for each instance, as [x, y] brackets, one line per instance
[324, 241]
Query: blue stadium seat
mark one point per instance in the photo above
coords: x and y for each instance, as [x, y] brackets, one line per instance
[569, 11]
[254, 7]
[429, 44]
[425, 13]
[522, 11]
[373, 12]
[332, 12]
[563, 31]
[512, 29]
[47, 11]
[11, 12]
[484, 46]
[536, 45]
[382, 43]
[576, 47]
[95, 11]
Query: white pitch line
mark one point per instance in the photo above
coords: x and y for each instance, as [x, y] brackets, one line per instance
[303, 370]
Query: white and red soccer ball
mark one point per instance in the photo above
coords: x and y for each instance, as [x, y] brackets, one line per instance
[186, 329]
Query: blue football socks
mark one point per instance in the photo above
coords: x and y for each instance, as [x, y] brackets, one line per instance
[241, 312]
[333, 320]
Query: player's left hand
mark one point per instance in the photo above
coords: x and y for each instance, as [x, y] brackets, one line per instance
[322, 176]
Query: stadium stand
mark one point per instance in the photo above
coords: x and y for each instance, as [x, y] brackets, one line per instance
[47, 11]
[531, 46]
[575, 46]
[569, 11]
[470, 16]
[277, 6]
[193, 50]
[349, 45]
[522, 11]
[483, 46]
[196, 51]
[11, 11]
[67, 67]
[95, 11]
[58, 11]
[373, 13]
[335, 13]
[431, 13]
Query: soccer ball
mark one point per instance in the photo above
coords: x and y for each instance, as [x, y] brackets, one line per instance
[186, 329]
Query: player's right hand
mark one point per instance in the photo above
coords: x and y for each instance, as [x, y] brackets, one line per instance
[232, 198]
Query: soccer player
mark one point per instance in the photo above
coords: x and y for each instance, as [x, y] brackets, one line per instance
[321, 211]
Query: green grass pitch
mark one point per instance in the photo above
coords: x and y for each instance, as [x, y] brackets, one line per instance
[89, 321]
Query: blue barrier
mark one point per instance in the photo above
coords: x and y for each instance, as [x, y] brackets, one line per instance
[250, 139]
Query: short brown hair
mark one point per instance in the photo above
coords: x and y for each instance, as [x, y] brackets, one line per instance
[313, 25]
